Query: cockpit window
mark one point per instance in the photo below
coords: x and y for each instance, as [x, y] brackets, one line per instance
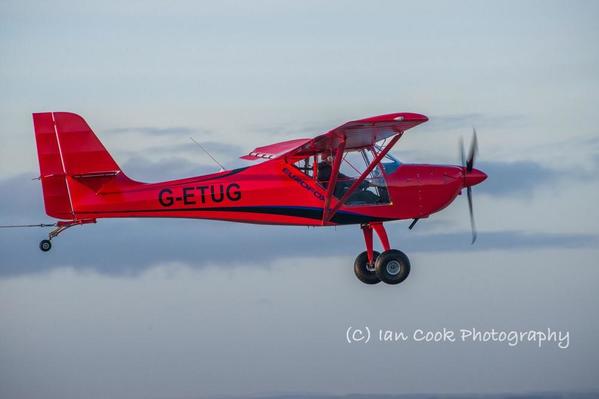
[372, 190]
[389, 162]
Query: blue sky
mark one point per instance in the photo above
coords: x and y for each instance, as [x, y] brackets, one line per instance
[175, 308]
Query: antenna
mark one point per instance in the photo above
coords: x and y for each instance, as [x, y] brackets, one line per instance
[207, 153]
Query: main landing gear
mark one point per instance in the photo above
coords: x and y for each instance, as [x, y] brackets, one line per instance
[392, 266]
[46, 245]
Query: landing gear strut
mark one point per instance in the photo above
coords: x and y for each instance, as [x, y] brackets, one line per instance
[392, 266]
[46, 245]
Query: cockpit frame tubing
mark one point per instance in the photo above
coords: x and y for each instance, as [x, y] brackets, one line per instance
[358, 181]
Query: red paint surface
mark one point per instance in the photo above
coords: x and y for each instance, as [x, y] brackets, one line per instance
[80, 180]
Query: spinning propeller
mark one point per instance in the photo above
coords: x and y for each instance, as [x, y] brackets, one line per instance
[471, 176]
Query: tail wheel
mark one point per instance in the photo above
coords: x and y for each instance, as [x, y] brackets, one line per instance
[364, 271]
[45, 245]
[392, 266]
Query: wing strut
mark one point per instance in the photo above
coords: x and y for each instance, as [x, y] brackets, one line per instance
[348, 193]
[333, 180]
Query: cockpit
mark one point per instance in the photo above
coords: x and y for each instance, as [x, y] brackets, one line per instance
[371, 191]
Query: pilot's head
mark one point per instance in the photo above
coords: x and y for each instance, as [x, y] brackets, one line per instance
[327, 157]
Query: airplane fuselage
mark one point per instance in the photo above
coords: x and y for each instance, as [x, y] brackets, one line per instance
[273, 192]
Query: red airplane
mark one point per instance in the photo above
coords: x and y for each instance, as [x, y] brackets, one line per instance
[345, 176]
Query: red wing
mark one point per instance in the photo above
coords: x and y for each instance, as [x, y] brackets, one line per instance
[363, 132]
[358, 134]
[275, 150]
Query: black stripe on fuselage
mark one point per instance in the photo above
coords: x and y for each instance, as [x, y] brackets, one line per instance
[341, 217]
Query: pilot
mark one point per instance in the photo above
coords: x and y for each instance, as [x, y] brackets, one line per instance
[325, 167]
[361, 195]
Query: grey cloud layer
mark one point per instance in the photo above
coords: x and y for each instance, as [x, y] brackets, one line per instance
[507, 178]
[128, 247]
[531, 395]
[155, 131]
[122, 247]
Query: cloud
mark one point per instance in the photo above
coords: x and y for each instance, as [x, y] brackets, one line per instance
[294, 130]
[503, 240]
[21, 200]
[143, 169]
[530, 395]
[129, 246]
[169, 153]
[157, 131]
[523, 177]
[176, 166]
[469, 120]
[188, 146]
[224, 148]
[507, 178]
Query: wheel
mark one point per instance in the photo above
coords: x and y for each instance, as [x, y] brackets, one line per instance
[392, 266]
[45, 245]
[364, 272]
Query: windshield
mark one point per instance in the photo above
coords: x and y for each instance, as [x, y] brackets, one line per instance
[390, 163]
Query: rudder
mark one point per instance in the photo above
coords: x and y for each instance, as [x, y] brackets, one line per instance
[69, 153]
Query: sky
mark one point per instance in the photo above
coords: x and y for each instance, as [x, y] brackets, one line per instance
[200, 309]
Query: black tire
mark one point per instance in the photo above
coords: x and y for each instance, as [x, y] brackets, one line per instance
[363, 272]
[45, 245]
[392, 267]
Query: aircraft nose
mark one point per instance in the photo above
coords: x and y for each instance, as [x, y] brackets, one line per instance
[474, 177]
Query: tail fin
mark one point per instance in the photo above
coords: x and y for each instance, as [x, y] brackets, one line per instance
[72, 161]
